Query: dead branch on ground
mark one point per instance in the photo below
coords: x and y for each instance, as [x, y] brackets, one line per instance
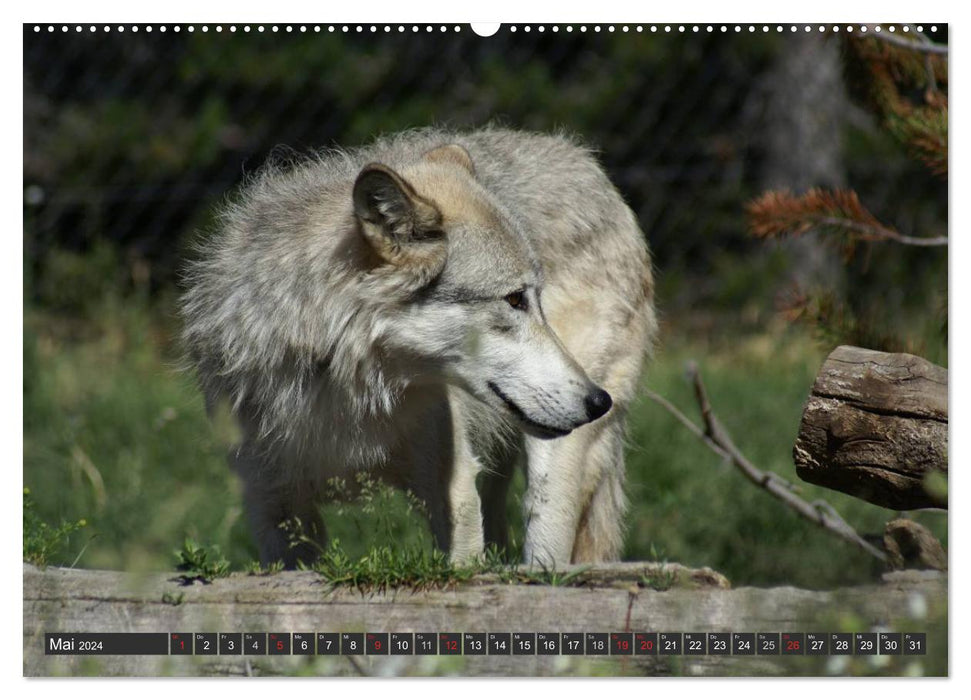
[714, 435]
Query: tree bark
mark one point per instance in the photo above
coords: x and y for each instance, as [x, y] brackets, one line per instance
[802, 122]
[875, 427]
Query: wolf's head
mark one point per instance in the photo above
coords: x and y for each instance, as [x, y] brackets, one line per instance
[472, 315]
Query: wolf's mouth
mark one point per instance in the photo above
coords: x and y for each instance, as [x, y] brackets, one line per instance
[538, 429]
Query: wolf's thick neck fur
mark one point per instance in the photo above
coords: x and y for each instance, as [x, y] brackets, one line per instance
[297, 330]
[287, 309]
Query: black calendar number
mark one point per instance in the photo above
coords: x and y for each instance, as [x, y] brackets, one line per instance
[548, 643]
[694, 644]
[523, 643]
[352, 643]
[817, 644]
[743, 643]
[376, 643]
[500, 643]
[303, 643]
[328, 643]
[230, 644]
[571, 643]
[719, 643]
[450, 644]
[890, 643]
[669, 643]
[865, 643]
[915, 643]
[767, 643]
[597, 643]
[426, 643]
[621, 643]
[645, 643]
[475, 643]
[180, 643]
[841, 644]
[254, 643]
[402, 644]
[279, 643]
[205, 643]
[793, 644]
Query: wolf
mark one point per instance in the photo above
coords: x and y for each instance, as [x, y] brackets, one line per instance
[432, 309]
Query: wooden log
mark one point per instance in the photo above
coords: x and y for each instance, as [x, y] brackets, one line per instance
[615, 598]
[875, 427]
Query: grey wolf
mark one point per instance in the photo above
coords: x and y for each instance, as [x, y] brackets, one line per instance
[433, 308]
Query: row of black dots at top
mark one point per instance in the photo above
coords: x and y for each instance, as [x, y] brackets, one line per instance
[414, 28]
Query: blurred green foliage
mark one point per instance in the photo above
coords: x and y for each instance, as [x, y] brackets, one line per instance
[42, 541]
[115, 433]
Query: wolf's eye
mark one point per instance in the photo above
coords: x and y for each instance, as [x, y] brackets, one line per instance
[517, 300]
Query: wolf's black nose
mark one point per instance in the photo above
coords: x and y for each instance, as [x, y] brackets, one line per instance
[598, 402]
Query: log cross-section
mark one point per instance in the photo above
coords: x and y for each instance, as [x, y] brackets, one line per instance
[875, 427]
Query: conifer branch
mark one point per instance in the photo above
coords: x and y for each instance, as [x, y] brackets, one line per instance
[780, 213]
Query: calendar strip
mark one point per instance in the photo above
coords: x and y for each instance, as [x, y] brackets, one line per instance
[488, 643]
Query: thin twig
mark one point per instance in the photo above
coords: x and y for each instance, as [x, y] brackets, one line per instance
[871, 232]
[924, 46]
[714, 435]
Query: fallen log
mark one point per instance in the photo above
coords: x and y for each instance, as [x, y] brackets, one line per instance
[875, 427]
[629, 597]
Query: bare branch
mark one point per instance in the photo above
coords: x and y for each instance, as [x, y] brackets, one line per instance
[923, 44]
[870, 232]
[714, 435]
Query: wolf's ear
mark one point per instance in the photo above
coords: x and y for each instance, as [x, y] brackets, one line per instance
[452, 153]
[401, 226]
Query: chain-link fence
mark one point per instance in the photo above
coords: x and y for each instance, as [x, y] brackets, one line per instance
[131, 136]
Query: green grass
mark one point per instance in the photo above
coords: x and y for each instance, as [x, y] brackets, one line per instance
[114, 434]
[42, 541]
[200, 562]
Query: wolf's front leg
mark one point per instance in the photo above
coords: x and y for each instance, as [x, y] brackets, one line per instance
[446, 485]
[436, 463]
[574, 504]
[465, 511]
[551, 502]
[284, 517]
[464, 505]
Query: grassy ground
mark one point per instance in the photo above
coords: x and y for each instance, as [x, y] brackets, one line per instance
[114, 434]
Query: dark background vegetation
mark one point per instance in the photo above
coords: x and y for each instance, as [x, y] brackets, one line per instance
[132, 138]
